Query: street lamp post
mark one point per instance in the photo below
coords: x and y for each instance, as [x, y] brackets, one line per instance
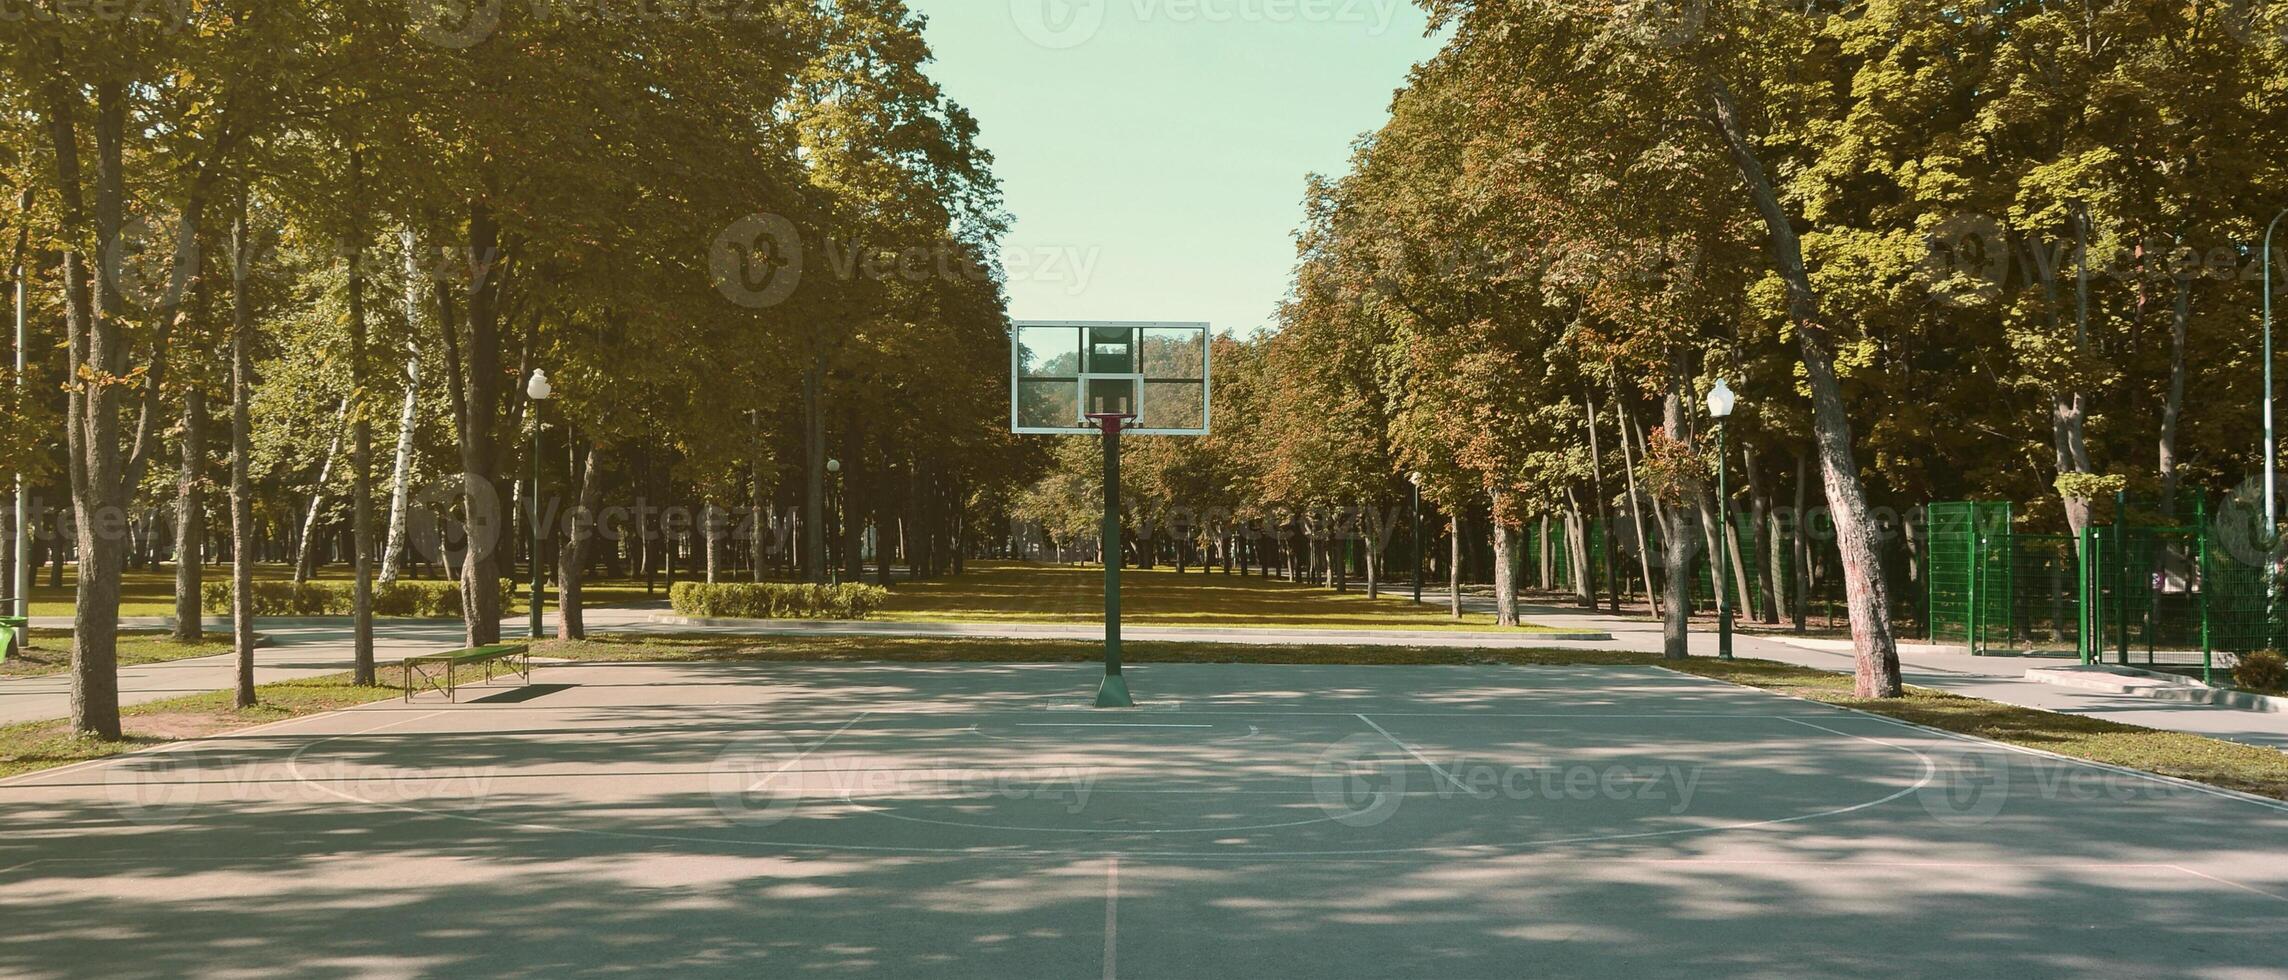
[540, 391]
[833, 565]
[1415, 480]
[1720, 404]
[21, 588]
[2271, 448]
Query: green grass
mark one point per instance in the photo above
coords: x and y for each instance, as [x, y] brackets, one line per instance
[152, 593]
[32, 746]
[50, 651]
[1005, 592]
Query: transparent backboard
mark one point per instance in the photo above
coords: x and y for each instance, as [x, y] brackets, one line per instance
[1063, 371]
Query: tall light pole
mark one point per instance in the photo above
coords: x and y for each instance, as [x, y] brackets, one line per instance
[834, 493]
[1720, 403]
[1414, 479]
[540, 391]
[21, 588]
[2271, 447]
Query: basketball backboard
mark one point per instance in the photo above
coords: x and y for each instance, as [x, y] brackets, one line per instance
[1063, 371]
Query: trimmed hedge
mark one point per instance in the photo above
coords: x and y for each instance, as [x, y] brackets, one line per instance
[400, 599]
[776, 600]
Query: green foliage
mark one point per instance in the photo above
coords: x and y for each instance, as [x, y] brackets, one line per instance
[2264, 670]
[776, 600]
[2090, 486]
[401, 599]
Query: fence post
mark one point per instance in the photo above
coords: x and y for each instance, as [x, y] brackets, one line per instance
[2082, 644]
[2121, 568]
[1977, 571]
[2201, 541]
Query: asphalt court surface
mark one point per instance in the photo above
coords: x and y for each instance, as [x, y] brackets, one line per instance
[978, 820]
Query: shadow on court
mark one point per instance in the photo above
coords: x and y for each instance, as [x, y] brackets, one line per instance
[968, 820]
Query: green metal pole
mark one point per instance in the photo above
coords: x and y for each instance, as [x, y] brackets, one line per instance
[1113, 693]
[2201, 541]
[1723, 534]
[532, 510]
[1977, 574]
[2082, 645]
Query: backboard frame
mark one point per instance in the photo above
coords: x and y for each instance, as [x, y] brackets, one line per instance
[1081, 425]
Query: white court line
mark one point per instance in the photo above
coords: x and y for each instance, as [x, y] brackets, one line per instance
[1111, 917]
[1084, 724]
[2216, 791]
[799, 756]
[2221, 881]
[1418, 757]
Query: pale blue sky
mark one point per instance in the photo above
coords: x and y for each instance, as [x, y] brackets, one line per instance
[1153, 151]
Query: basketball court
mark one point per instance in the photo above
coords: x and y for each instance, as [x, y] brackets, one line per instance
[1270, 821]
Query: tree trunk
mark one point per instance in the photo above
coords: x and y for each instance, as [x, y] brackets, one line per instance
[1760, 517]
[1505, 570]
[361, 463]
[241, 449]
[1454, 568]
[480, 431]
[572, 558]
[2173, 409]
[401, 475]
[1680, 538]
[814, 474]
[1604, 503]
[1875, 645]
[306, 552]
[191, 520]
[1636, 506]
[1799, 607]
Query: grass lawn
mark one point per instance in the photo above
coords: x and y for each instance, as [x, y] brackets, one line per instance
[1008, 592]
[46, 744]
[152, 593]
[50, 651]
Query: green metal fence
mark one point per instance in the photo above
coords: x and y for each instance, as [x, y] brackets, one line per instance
[2139, 587]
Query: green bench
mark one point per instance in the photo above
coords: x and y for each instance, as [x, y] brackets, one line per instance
[418, 676]
[15, 631]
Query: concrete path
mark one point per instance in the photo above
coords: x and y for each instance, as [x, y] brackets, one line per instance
[310, 647]
[1993, 678]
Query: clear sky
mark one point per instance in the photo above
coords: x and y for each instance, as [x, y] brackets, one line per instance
[1153, 151]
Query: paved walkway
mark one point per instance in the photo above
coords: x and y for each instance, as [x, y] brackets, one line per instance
[1993, 678]
[311, 647]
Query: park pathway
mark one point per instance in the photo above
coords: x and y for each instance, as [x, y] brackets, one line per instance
[302, 648]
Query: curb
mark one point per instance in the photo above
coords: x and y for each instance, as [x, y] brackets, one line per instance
[2132, 682]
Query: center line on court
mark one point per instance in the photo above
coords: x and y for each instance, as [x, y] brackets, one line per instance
[1085, 724]
[1419, 757]
[799, 756]
[1111, 917]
